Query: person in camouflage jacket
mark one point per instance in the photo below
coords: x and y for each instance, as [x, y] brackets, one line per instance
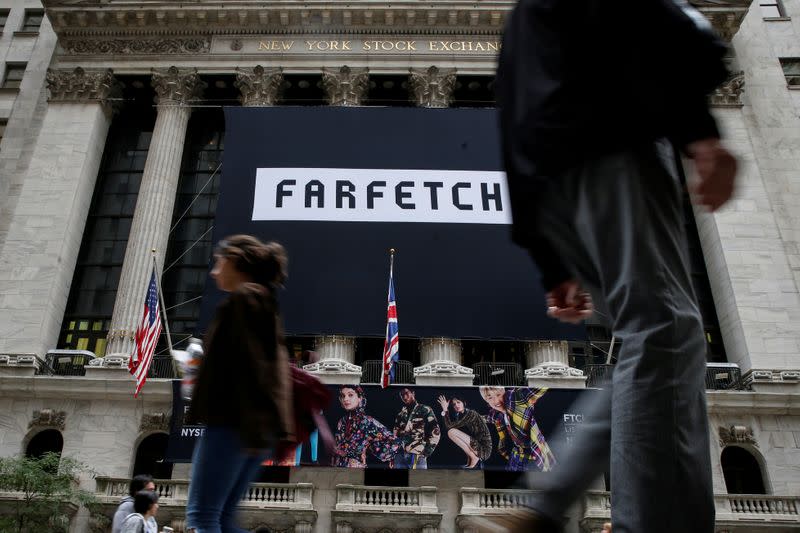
[418, 431]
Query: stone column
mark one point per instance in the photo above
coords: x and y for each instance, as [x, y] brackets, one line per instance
[175, 89]
[548, 366]
[441, 364]
[259, 87]
[345, 86]
[336, 356]
[45, 231]
[432, 87]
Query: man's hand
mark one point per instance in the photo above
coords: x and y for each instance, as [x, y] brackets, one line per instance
[716, 173]
[569, 303]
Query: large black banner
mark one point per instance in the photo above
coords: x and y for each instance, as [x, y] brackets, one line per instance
[339, 187]
[492, 428]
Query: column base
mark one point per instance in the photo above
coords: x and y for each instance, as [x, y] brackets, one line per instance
[772, 380]
[109, 367]
[19, 365]
[555, 375]
[445, 373]
[335, 372]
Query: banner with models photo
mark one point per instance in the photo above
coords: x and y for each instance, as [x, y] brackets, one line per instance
[418, 427]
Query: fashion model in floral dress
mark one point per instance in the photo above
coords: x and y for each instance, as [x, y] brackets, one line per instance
[358, 433]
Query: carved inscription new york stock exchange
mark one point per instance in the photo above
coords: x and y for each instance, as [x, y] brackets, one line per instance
[367, 46]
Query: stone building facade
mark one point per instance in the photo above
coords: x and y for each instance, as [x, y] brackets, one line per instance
[111, 111]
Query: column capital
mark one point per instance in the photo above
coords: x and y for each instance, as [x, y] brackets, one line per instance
[432, 87]
[259, 87]
[176, 86]
[345, 86]
[79, 85]
[729, 93]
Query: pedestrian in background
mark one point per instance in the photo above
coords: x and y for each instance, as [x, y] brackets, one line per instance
[143, 517]
[243, 390]
[593, 95]
[137, 484]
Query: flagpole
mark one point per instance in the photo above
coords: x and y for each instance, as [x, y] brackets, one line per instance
[386, 378]
[163, 310]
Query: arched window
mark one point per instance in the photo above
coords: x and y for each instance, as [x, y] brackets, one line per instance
[49, 440]
[150, 457]
[742, 471]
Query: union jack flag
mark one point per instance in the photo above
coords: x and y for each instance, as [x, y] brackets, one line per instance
[146, 336]
[391, 345]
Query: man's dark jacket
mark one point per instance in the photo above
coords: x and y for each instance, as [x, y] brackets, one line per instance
[579, 79]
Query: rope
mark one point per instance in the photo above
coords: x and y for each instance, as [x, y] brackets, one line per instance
[196, 196]
[187, 250]
[184, 303]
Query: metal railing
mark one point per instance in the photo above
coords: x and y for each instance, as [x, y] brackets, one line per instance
[723, 376]
[597, 375]
[372, 370]
[67, 362]
[719, 376]
[499, 374]
[162, 367]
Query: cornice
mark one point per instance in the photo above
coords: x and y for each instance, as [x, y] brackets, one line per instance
[120, 18]
[753, 403]
[82, 388]
[161, 18]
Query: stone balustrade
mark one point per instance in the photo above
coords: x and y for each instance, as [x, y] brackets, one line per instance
[758, 506]
[734, 512]
[483, 501]
[175, 492]
[381, 499]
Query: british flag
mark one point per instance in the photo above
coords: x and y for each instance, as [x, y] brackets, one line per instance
[146, 336]
[391, 348]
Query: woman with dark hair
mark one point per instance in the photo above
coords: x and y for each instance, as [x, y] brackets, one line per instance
[143, 517]
[357, 433]
[243, 389]
[467, 429]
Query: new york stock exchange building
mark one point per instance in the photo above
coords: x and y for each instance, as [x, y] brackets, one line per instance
[347, 129]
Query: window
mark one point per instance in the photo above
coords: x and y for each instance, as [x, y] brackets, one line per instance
[742, 472]
[14, 75]
[189, 250]
[791, 70]
[33, 20]
[772, 9]
[274, 474]
[150, 457]
[380, 477]
[3, 18]
[49, 440]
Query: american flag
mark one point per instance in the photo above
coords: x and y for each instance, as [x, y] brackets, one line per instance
[146, 336]
[391, 348]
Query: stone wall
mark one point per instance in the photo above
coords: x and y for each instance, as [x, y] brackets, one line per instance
[752, 245]
[24, 110]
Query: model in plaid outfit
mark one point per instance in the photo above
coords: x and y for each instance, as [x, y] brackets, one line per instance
[521, 442]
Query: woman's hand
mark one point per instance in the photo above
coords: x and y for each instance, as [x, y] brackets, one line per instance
[442, 402]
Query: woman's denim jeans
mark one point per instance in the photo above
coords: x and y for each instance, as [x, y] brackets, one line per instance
[221, 473]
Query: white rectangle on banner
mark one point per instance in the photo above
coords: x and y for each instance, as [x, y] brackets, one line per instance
[381, 195]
